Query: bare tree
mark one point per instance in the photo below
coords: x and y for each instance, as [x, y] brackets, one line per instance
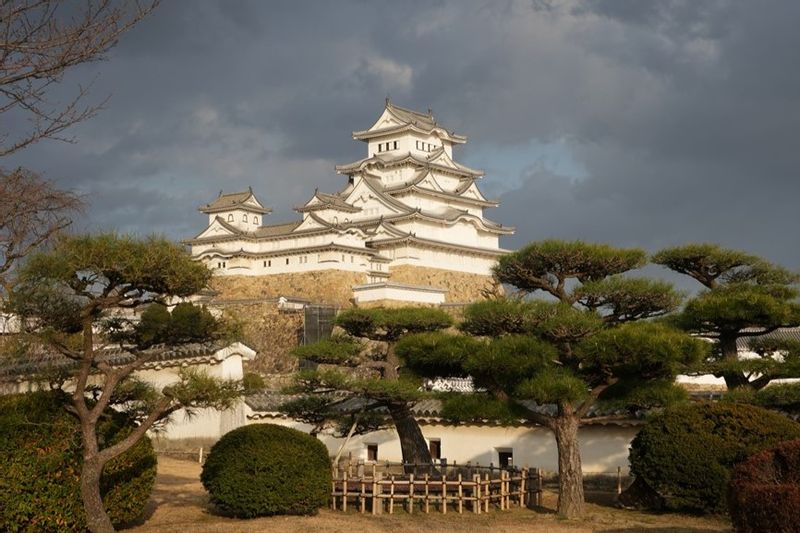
[32, 211]
[39, 41]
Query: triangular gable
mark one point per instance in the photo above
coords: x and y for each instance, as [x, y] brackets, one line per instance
[429, 182]
[218, 228]
[473, 192]
[386, 120]
[364, 195]
[442, 159]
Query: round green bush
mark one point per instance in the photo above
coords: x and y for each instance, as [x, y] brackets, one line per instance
[686, 454]
[40, 466]
[264, 469]
[765, 491]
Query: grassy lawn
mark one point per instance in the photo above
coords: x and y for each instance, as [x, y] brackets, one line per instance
[180, 504]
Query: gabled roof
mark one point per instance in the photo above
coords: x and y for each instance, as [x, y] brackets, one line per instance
[402, 119]
[430, 162]
[245, 200]
[327, 201]
[415, 185]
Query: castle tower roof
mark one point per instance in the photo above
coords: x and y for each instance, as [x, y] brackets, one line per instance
[245, 200]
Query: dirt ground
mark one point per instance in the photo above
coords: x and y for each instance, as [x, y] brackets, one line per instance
[180, 504]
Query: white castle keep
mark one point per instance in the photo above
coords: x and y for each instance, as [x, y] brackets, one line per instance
[408, 207]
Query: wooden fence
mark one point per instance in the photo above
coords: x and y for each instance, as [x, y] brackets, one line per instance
[378, 487]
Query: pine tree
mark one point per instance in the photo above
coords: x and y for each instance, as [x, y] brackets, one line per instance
[587, 342]
[362, 377]
[744, 297]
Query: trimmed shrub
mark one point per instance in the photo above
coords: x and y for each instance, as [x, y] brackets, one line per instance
[686, 454]
[765, 491]
[264, 469]
[40, 466]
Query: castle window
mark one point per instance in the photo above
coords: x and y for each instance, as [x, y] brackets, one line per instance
[255, 221]
[265, 264]
[269, 263]
[230, 217]
[244, 217]
[287, 260]
[395, 145]
[352, 260]
[342, 258]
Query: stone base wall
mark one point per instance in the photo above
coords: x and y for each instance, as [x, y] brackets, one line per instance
[332, 287]
[462, 287]
[272, 332]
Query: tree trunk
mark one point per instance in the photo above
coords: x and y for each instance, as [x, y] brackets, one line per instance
[733, 379]
[412, 443]
[97, 521]
[570, 473]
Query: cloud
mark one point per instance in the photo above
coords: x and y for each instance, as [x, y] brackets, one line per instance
[637, 123]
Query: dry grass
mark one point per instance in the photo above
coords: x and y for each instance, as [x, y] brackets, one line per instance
[179, 504]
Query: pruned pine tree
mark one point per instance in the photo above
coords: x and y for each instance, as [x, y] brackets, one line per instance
[588, 342]
[361, 370]
[743, 297]
[76, 299]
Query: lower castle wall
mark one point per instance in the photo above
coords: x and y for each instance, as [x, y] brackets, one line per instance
[462, 287]
[332, 287]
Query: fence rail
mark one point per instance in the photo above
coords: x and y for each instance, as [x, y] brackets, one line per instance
[381, 487]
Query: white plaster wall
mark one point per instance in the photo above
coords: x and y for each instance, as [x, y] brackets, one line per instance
[437, 258]
[603, 448]
[381, 291]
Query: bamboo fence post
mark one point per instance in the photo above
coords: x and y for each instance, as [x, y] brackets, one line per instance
[522, 487]
[391, 495]
[488, 493]
[376, 502]
[539, 487]
[619, 480]
[363, 497]
[476, 494]
[460, 495]
[411, 494]
[333, 492]
[344, 492]
[444, 493]
[427, 496]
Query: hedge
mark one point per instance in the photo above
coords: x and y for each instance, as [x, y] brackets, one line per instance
[264, 470]
[40, 465]
[687, 453]
[765, 491]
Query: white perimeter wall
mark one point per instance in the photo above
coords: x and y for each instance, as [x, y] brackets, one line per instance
[603, 448]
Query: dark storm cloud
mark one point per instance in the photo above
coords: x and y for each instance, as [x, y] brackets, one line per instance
[682, 115]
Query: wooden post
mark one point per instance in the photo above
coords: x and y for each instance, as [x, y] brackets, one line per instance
[444, 493]
[522, 488]
[488, 493]
[363, 502]
[460, 495]
[427, 495]
[539, 487]
[619, 480]
[200, 456]
[391, 495]
[344, 492]
[333, 493]
[476, 494]
[411, 494]
[376, 501]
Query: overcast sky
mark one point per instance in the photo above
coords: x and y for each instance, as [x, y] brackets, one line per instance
[639, 123]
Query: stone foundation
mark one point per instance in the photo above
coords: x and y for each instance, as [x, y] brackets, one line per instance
[272, 332]
[462, 287]
[332, 287]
